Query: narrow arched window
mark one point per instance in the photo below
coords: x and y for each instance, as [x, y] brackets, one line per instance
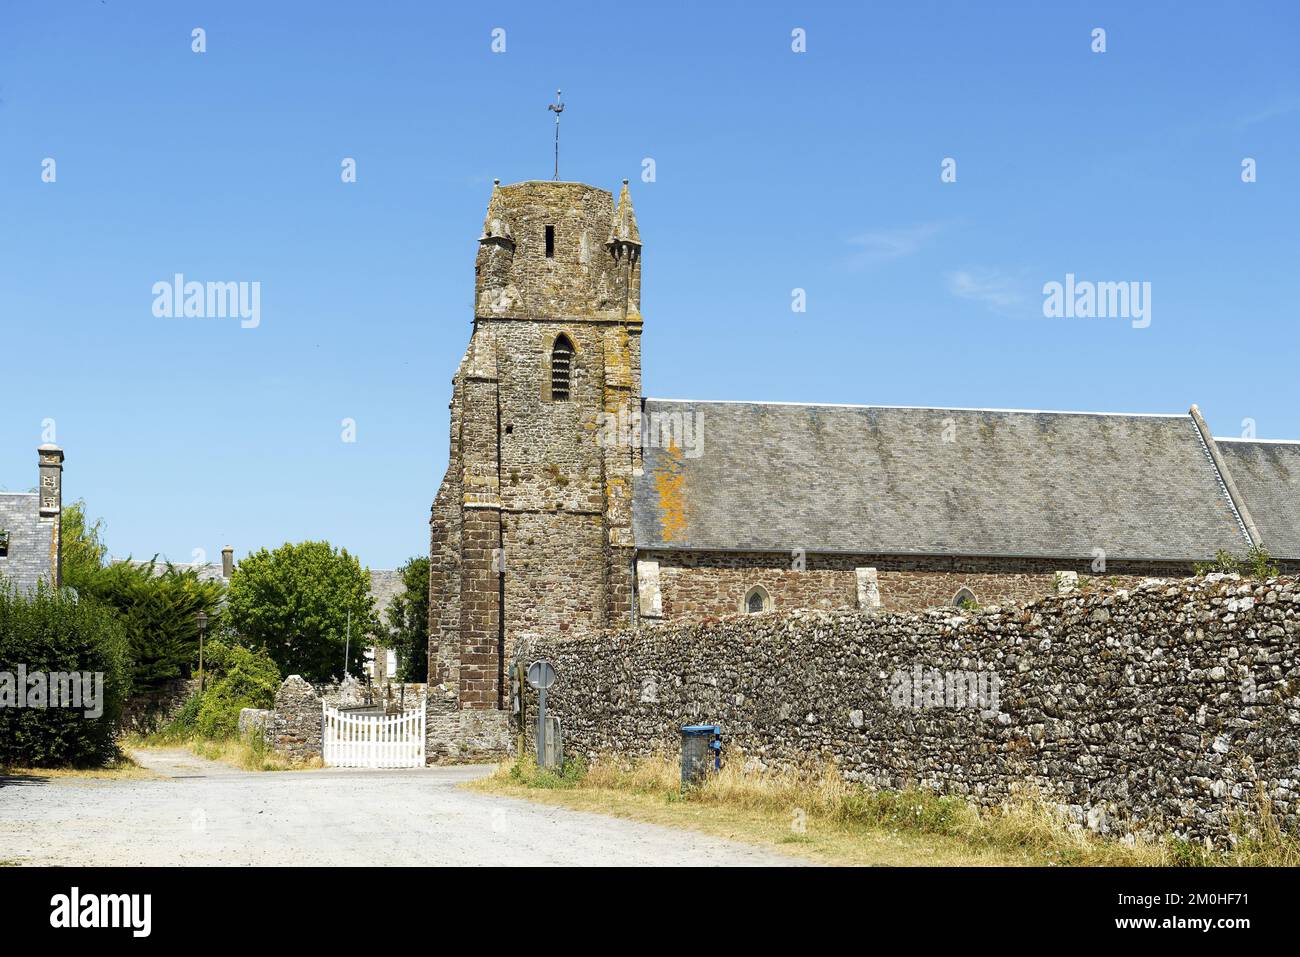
[561, 368]
[757, 600]
[965, 598]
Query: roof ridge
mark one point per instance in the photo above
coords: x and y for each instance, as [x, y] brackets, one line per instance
[1219, 438]
[922, 408]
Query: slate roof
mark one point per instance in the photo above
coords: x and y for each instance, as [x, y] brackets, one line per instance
[208, 572]
[28, 559]
[385, 585]
[1267, 476]
[882, 480]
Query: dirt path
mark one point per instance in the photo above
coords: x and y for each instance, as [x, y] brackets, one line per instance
[203, 812]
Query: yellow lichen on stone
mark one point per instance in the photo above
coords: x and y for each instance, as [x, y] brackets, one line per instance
[670, 481]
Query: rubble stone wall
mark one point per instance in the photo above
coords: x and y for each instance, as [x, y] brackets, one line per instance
[1168, 708]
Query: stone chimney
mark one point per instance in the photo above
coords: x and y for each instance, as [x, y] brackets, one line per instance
[227, 562]
[50, 491]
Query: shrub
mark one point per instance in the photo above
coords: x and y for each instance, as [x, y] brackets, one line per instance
[239, 678]
[1260, 562]
[185, 723]
[1224, 562]
[48, 632]
[1257, 563]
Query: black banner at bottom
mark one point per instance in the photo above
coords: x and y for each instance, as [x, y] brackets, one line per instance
[211, 904]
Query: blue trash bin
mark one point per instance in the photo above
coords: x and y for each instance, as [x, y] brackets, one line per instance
[701, 748]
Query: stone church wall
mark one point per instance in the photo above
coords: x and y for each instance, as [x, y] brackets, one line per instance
[697, 584]
[1171, 707]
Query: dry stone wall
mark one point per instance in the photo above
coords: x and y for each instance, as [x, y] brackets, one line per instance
[1169, 708]
[294, 727]
[148, 711]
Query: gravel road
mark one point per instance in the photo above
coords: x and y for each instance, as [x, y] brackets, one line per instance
[203, 812]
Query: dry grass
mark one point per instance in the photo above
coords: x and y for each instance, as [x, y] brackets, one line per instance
[248, 753]
[820, 816]
[122, 769]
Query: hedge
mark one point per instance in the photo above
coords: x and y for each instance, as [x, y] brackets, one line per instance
[46, 633]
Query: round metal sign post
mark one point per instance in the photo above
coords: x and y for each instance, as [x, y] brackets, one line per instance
[541, 675]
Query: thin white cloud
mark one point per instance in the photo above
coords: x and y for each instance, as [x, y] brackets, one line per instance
[989, 286]
[1279, 107]
[884, 245]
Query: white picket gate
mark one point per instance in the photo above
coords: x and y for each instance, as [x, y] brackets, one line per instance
[373, 740]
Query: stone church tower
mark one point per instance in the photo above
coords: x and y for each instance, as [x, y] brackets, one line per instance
[531, 530]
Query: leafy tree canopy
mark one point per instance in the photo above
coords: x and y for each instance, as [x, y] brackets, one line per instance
[295, 602]
[159, 609]
[158, 606]
[84, 551]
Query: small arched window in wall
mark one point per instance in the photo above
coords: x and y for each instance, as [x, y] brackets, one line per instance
[561, 368]
[757, 600]
[965, 598]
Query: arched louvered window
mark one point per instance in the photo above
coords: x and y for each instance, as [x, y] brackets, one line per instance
[965, 598]
[757, 600]
[561, 368]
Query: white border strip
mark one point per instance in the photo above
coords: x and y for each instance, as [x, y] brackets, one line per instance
[1259, 441]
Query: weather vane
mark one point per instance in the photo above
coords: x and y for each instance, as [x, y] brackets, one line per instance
[557, 107]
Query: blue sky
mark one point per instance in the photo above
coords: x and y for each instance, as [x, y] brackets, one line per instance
[775, 170]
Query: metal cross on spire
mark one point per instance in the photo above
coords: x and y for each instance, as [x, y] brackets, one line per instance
[557, 107]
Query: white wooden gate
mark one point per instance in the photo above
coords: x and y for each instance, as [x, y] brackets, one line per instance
[373, 740]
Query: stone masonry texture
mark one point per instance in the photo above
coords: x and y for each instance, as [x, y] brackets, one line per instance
[696, 584]
[551, 523]
[294, 727]
[531, 527]
[1167, 708]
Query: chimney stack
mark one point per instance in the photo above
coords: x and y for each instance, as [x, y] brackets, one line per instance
[227, 562]
[50, 491]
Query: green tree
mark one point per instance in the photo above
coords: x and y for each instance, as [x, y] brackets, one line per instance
[159, 611]
[295, 602]
[84, 551]
[408, 621]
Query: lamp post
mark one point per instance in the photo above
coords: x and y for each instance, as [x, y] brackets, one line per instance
[203, 632]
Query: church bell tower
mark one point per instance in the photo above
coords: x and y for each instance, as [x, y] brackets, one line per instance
[531, 531]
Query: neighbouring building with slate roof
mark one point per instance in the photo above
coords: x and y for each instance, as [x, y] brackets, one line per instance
[571, 503]
[385, 585]
[206, 571]
[30, 551]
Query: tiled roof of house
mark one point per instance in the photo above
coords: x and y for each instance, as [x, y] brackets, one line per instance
[889, 480]
[207, 571]
[28, 554]
[1267, 475]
